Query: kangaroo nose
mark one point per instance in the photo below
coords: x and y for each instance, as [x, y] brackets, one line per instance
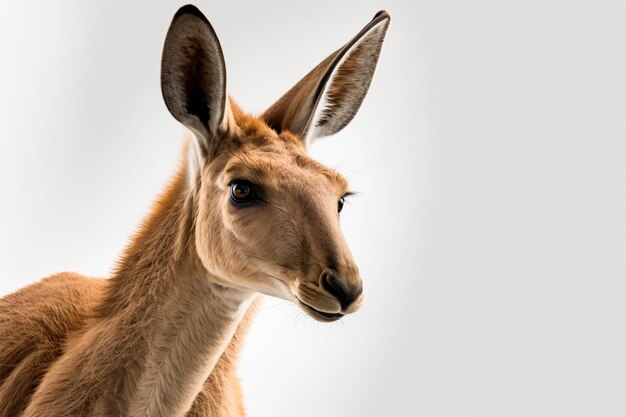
[344, 292]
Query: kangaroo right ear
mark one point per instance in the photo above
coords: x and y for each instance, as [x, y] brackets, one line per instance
[193, 76]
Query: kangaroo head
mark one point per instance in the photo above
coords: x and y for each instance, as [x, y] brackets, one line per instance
[266, 214]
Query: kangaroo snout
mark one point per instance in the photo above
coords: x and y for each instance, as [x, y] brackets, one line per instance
[346, 291]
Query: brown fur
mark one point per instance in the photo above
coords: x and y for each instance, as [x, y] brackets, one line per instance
[42, 327]
[161, 337]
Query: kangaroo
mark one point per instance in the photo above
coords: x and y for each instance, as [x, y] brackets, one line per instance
[247, 214]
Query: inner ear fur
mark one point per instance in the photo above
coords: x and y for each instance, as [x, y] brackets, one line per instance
[327, 98]
[193, 75]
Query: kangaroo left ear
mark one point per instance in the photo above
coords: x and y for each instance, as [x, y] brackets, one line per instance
[328, 97]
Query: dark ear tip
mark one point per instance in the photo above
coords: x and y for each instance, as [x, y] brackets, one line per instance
[382, 15]
[190, 9]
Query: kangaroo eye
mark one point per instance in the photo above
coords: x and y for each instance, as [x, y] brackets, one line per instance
[340, 204]
[242, 192]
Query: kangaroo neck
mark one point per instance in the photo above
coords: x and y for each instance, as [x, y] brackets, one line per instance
[198, 322]
[188, 318]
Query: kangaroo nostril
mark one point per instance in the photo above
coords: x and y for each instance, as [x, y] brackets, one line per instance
[346, 294]
[332, 284]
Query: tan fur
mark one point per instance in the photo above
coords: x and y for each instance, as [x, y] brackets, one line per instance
[77, 346]
[161, 337]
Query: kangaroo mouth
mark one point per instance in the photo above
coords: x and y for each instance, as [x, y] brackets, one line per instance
[320, 315]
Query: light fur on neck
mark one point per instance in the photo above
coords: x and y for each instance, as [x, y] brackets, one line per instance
[198, 322]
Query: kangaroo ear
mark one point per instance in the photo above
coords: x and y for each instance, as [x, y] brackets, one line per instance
[327, 98]
[193, 76]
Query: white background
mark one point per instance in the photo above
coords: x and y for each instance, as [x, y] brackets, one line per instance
[490, 227]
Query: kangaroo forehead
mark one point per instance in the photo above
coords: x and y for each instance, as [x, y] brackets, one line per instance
[274, 159]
